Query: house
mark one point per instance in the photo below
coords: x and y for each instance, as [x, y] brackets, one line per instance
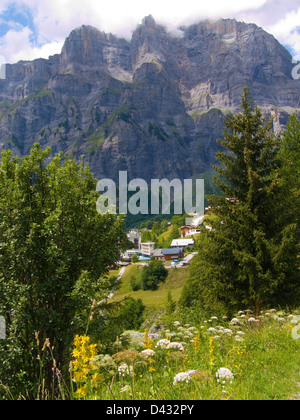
[172, 254]
[182, 243]
[158, 254]
[147, 248]
[188, 231]
[135, 237]
[185, 231]
[169, 254]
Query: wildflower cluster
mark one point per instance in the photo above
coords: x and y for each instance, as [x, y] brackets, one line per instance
[185, 377]
[223, 375]
[124, 370]
[83, 367]
[182, 360]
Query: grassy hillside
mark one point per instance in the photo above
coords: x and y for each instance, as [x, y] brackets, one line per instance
[153, 300]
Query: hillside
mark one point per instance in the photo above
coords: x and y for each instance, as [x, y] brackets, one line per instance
[154, 301]
[153, 105]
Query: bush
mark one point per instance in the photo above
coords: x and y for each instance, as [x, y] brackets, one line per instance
[153, 274]
[135, 283]
[134, 258]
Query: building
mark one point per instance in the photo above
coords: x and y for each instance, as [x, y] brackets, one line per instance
[147, 248]
[182, 243]
[188, 231]
[169, 254]
[135, 237]
[158, 254]
[172, 254]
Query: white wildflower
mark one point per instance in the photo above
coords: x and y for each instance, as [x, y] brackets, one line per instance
[176, 324]
[251, 319]
[235, 321]
[124, 369]
[184, 377]
[224, 374]
[148, 353]
[163, 343]
[213, 330]
[192, 329]
[279, 319]
[175, 346]
[125, 389]
[238, 338]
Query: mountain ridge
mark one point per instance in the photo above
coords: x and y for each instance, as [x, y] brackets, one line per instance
[153, 105]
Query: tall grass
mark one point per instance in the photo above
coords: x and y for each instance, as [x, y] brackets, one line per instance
[240, 359]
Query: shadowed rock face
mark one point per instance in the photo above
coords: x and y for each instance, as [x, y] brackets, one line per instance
[153, 106]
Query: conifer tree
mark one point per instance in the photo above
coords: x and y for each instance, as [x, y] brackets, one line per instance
[249, 258]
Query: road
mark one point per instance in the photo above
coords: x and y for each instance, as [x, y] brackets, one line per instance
[111, 295]
[187, 259]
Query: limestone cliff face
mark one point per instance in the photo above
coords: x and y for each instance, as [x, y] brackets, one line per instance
[153, 106]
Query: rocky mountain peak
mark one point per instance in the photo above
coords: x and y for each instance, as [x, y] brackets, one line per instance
[153, 106]
[149, 21]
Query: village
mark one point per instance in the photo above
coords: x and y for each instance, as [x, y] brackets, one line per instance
[180, 252]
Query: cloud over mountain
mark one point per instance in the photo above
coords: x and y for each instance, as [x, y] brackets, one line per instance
[34, 28]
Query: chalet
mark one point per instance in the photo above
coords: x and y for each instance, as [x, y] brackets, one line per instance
[188, 231]
[169, 254]
[158, 254]
[182, 243]
[172, 254]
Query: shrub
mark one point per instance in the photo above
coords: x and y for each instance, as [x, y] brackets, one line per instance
[153, 274]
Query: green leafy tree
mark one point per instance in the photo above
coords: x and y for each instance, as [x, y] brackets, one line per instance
[55, 253]
[135, 258]
[153, 274]
[249, 259]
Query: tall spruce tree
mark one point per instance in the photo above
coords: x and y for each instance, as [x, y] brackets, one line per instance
[249, 258]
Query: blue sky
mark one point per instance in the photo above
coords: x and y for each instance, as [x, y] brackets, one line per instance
[31, 29]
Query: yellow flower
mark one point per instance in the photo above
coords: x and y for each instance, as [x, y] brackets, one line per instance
[83, 366]
[81, 392]
[211, 352]
[148, 341]
[197, 344]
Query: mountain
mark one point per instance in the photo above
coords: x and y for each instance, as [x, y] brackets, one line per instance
[154, 105]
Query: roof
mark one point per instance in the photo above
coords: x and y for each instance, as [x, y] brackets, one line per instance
[182, 242]
[157, 253]
[172, 251]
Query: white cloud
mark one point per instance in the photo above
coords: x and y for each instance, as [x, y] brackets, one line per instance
[287, 30]
[55, 19]
[16, 45]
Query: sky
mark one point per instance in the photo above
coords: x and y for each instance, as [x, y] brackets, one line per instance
[31, 29]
